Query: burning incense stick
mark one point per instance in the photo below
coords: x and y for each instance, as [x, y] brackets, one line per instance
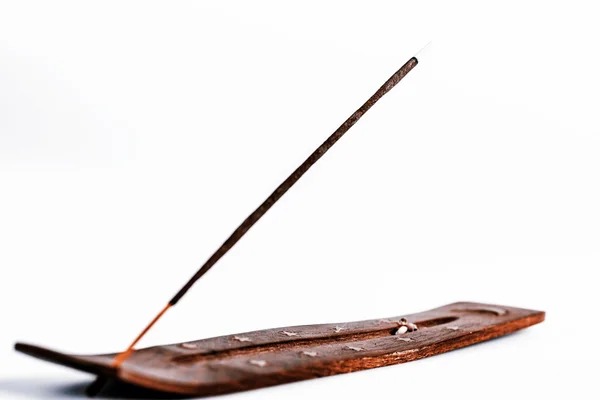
[266, 205]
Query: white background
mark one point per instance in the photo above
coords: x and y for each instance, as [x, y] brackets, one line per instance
[135, 136]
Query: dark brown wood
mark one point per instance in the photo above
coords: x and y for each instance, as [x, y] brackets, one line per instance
[274, 356]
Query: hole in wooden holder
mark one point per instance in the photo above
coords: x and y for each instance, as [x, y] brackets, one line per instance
[495, 311]
[428, 323]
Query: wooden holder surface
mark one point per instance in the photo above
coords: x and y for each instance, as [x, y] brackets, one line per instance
[270, 357]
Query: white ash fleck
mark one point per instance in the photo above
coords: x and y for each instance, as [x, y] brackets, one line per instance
[286, 333]
[402, 330]
[242, 339]
[453, 328]
[404, 339]
[258, 363]
[338, 329]
[400, 353]
[355, 348]
[310, 353]
[189, 345]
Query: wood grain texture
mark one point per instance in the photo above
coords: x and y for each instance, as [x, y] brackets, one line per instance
[274, 356]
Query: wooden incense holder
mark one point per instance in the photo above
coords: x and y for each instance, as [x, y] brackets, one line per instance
[270, 357]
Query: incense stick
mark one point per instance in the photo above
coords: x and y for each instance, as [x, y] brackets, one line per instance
[266, 205]
[291, 180]
[294, 177]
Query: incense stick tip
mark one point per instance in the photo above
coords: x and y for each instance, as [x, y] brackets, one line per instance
[420, 51]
